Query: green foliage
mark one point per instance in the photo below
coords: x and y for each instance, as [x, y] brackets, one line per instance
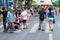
[56, 3]
[59, 2]
[31, 1]
[21, 1]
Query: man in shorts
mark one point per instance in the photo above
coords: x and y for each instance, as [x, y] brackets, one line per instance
[10, 21]
[41, 19]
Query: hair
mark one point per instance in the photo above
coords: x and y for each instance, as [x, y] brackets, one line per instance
[50, 10]
[3, 8]
[26, 8]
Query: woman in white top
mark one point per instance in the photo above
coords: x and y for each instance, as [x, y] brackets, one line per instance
[25, 17]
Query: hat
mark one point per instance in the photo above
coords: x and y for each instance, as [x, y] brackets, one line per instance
[11, 8]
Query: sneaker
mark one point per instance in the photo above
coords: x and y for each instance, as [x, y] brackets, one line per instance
[42, 29]
[39, 28]
[4, 31]
[51, 29]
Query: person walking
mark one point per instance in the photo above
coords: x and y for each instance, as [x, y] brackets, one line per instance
[51, 18]
[41, 19]
[25, 17]
[18, 12]
[4, 13]
[10, 21]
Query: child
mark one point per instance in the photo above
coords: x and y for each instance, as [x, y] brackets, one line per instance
[10, 21]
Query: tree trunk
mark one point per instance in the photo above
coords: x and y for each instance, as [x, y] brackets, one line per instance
[15, 2]
[27, 3]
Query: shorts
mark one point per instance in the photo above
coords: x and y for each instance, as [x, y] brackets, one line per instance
[41, 22]
[24, 21]
[50, 19]
[10, 25]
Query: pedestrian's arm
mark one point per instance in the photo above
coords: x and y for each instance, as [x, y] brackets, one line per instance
[8, 17]
[39, 17]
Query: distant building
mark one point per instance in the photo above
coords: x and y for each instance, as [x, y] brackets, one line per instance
[3, 2]
[43, 2]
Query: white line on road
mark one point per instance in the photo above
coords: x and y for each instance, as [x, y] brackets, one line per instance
[1, 30]
[47, 28]
[50, 36]
[1, 26]
[14, 31]
[35, 27]
[17, 31]
[59, 24]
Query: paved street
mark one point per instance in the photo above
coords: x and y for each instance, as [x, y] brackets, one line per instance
[32, 33]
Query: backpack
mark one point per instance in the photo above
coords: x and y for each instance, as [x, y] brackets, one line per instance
[52, 14]
[41, 13]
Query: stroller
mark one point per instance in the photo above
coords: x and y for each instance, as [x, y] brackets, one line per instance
[16, 24]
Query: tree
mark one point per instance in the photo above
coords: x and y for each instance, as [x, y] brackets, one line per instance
[59, 3]
[15, 2]
[28, 3]
[56, 3]
[19, 2]
[31, 2]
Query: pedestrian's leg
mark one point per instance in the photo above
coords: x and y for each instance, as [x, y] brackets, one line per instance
[11, 28]
[7, 28]
[25, 26]
[39, 27]
[42, 27]
[4, 24]
[52, 25]
[49, 25]
[16, 15]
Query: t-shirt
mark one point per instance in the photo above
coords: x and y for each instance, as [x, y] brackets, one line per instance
[24, 15]
[4, 14]
[10, 17]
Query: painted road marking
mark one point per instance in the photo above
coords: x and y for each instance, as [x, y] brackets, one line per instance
[50, 36]
[59, 24]
[1, 26]
[1, 30]
[35, 27]
[14, 31]
[17, 31]
[47, 28]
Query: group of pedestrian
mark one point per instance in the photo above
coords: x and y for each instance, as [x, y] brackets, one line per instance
[46, 15]
[21, 16]
[24, 16]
